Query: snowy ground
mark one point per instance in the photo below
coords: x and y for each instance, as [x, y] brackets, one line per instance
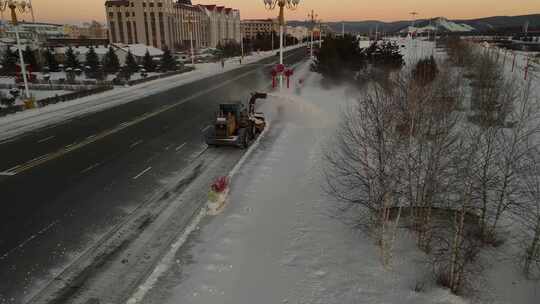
[21, 122]
[282, 239]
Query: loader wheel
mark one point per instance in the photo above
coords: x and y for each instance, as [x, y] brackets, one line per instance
[245, 141]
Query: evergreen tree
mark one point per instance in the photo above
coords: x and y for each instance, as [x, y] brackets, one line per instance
[148, 62]
[92, 60]
[9, 62]
[30, 59]
[71, 59]
[50, 61]
[168, 63]
[111, 64]
[131, 64]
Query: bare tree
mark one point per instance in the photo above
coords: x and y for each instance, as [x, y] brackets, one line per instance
[363, 165]
[529, 215]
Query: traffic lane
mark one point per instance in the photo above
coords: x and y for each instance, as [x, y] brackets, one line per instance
[47, 140]
[68, 202]
[194, 108]
[67, 212]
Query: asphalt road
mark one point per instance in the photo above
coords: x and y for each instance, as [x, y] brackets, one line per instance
[71, 182]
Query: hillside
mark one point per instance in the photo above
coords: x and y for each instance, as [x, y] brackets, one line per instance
[481, 24]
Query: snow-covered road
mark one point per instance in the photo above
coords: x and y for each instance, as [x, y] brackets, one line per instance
[281, 238]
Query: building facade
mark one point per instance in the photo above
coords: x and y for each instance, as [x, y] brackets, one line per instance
[252, 27]
[33, 33]
[92, 30]
[161, 23]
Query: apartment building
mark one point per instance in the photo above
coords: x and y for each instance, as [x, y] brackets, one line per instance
[252, 27]
[161, 23]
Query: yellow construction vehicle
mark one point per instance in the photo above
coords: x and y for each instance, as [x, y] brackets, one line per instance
[235, 125]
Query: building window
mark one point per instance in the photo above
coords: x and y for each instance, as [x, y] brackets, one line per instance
[130, 37]
[153, 26]
[133, 14]
[127, 14]
[161, 29]
[112, 31]
[120, 28]
[146, 29]
[151, 4]
[160, 4]
[132, 4]
[135, 32]
[144, 4]
[111, 15]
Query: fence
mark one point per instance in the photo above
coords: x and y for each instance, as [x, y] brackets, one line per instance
[74, 95]
[51, 87]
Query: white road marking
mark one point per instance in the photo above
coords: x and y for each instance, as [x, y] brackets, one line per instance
[90, 168]
[135, 143]
[39, 157]
[9, 140]
[167, 260]
[180, 147]
[7, 173]
[21, 245]
[46, 139]
[206, 128]
[142, 173]
[13, 168]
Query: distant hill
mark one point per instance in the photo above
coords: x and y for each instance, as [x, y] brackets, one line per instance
[481, 24]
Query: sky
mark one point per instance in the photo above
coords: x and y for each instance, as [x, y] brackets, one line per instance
[76, 11]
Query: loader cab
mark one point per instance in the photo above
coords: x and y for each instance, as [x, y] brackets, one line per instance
[229, 119]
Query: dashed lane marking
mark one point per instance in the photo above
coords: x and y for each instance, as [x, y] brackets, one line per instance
[46, 139]
[142, 173]
[180, 147]
[138, 142]
[90, 168]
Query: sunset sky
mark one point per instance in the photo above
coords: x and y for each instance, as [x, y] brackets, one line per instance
[75, 11]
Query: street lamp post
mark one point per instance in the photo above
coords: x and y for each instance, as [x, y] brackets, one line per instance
[290, 4]
[312, 16]
[190, 20]
[22, 6]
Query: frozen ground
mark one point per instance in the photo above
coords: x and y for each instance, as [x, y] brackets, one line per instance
[21, 122]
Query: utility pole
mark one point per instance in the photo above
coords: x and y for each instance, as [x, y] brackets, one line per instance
[31, 7]
[241, 42]
[413, 14]
[23, 7]
[312, 17]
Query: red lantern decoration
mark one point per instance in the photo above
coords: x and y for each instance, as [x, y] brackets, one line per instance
[288, 73]
[274, 74]
[280, 68]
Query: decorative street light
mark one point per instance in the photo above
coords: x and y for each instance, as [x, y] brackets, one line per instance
[22, 6]
[312, 17]
[282, 4]
[190, 19]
